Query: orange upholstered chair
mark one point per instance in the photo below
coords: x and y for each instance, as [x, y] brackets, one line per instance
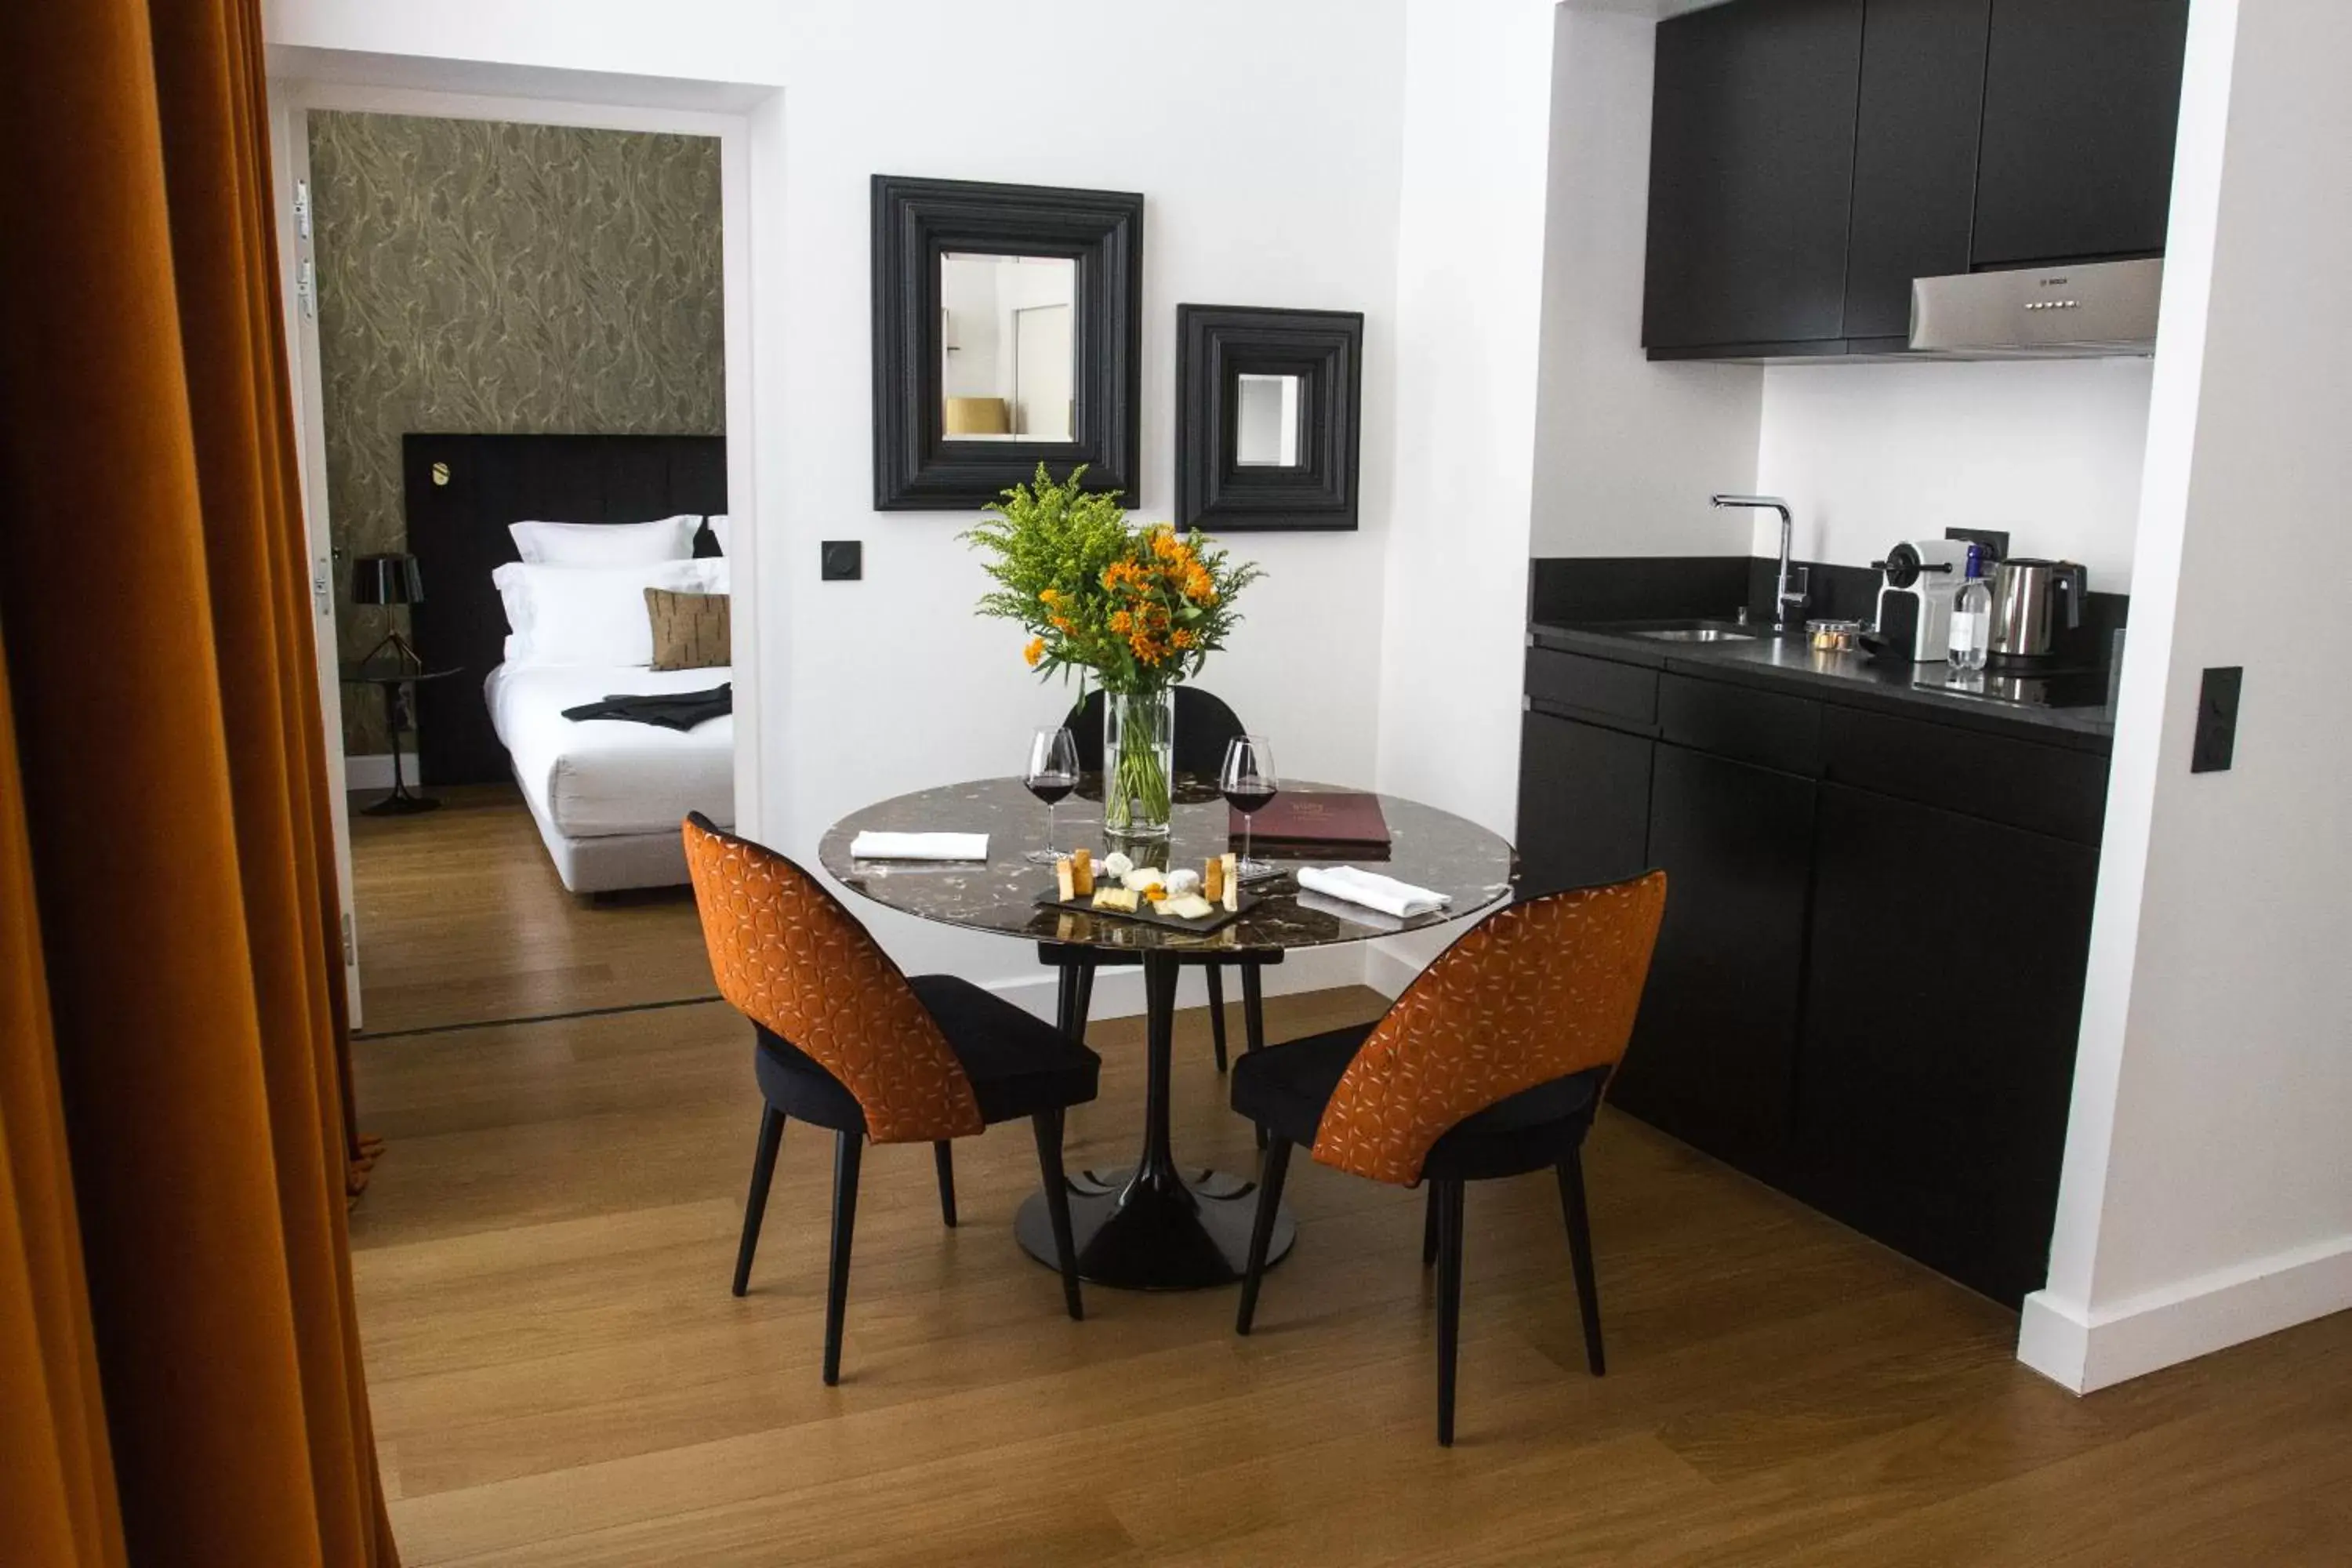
[847, 1042]
[1490, 1063]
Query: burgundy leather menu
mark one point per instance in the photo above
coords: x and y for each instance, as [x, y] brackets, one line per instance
[1341, 819]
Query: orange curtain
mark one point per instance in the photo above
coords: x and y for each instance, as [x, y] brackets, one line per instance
[171, 1036]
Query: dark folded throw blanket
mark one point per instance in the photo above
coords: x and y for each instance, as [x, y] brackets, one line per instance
[671, 709]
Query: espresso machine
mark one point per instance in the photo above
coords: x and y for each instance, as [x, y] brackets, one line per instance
[1920, 578]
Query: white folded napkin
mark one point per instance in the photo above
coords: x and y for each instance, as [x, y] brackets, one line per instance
[1372, 890]
[871, 846]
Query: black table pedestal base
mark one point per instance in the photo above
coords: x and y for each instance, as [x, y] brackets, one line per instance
[1192, 1235]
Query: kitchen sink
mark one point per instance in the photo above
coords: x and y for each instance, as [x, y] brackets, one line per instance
[1695, 634]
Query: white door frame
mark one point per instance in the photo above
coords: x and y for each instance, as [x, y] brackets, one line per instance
[291, 99]
[290, 165]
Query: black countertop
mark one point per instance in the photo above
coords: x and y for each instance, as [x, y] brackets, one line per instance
[1934, 691]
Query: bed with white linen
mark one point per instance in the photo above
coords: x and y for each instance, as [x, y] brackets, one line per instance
[608, 795]
[536, 552]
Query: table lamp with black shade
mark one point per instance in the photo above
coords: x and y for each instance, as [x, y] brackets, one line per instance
[388, 580]
[393, 664]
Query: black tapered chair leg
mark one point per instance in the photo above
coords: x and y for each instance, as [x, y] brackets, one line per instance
[848, 1148]
[1580, 1253]
[1269, 1203]
[1216, 976]
[1429, 1225]
[1449, 1303]
[1048, 1125]
[943, 1158]
[1252, 1019]
[755, 1207]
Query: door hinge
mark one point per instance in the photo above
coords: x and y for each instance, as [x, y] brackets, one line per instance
[302, 209]
[350, 943]
[323, 586]
[306, 288]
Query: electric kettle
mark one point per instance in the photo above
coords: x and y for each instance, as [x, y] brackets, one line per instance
[2029, 599]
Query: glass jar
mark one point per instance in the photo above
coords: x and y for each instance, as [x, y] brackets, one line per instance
[1138, 763]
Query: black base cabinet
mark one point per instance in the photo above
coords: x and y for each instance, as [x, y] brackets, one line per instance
[1935, 1061]
[1584, 804]
[1712, 1053]
[1869, 982]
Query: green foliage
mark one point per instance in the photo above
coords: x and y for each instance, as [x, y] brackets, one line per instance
[1135, 605]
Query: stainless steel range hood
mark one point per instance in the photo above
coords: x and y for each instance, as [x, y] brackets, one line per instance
[2098, 309]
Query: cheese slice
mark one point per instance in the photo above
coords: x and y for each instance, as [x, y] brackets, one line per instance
[1190, 907]
[1115, 898]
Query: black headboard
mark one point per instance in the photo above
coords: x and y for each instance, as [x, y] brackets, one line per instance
[461, 492]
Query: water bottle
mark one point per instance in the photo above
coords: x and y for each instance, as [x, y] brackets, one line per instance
[1971, 632]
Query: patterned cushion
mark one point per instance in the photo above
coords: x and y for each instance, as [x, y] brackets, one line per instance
[691, 631]
[792, 958]
[1543, 990]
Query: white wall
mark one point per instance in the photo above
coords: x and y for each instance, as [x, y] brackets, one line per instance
[1870, 454]
[2208, 1188]
[1289, 197]
[1627, 451]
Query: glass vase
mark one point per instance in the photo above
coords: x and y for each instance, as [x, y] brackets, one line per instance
[1138, 763]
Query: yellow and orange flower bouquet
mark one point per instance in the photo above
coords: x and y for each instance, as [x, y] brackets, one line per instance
[1135, 608]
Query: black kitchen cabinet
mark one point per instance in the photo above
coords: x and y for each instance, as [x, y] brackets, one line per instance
[2082, 99]
[1713, 1055]
[1751, 172]
[1915, 155]
[1935, 1061]
[1810, 158]
[1584, 804]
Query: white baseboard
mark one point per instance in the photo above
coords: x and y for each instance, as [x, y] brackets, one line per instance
[1118, 992]
[368, 773]
[2086, 1351]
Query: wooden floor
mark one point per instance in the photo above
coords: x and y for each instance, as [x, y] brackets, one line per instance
[560, 1375]
[462, 920]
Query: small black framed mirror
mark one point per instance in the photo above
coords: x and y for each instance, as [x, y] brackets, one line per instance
[1008, 330]
[1267, 428]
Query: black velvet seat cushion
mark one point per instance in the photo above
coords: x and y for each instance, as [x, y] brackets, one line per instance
[1285, 1089]
[1018, 1064]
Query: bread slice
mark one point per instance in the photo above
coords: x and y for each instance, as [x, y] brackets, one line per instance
[1212, 880]
[1231, 865]
[1082, 874]
[1066, 878]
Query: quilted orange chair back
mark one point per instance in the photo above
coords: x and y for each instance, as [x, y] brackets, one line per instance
[790, 957]
[1541, 990]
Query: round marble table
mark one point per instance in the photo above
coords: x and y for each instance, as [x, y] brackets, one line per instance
[1154, 1225]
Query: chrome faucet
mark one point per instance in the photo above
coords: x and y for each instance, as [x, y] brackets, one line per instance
[1788, 582]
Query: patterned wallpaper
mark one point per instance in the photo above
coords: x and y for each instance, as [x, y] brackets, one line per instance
[482, 276]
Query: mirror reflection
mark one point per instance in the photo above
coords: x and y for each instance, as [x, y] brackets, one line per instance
[1008, 357]
[1265, 421]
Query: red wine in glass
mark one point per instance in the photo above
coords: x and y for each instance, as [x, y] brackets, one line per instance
[1051, 776]
[1247, 781]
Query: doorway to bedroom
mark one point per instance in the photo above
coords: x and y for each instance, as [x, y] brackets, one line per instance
[515, 342]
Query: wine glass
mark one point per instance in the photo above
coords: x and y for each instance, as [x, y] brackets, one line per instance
[1052, 774]
[1247, 781]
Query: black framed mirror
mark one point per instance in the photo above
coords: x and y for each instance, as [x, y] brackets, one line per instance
[1268, 427]
[1008, 330]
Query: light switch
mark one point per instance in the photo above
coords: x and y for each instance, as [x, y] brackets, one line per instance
[2216, 742]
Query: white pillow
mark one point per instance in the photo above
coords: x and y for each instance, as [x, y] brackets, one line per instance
[717, 521]
[606, 543]
[717, 575]
[587, 614]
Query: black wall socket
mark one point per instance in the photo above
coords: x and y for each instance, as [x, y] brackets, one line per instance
[842, 559]
[2216, 742]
